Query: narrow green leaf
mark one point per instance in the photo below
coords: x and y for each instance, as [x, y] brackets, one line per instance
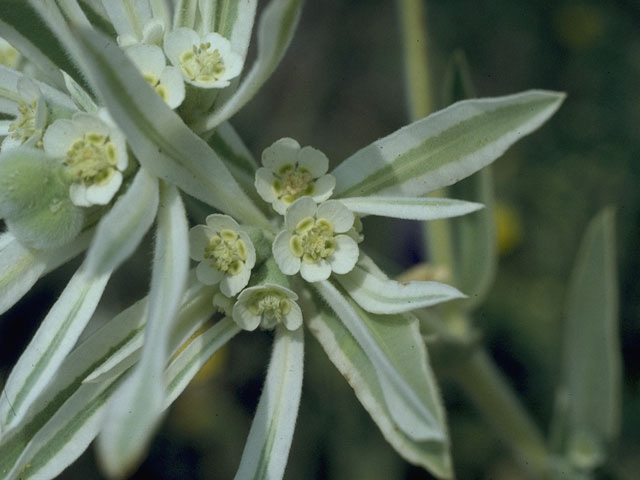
[409, 390]
[592, 364]
[122, 228]
[385, 296]
[267, 449]
[184, 14]
[159, 138]
[353, 362]
[444, 147]
[410, 208]
[275, 30]
[136, 408]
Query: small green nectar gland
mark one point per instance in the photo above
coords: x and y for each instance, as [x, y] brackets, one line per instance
[202, 64]
[156, 85]
[92, 159]
[227, 252]
[313, 240]
[24, 126]
[293, 183]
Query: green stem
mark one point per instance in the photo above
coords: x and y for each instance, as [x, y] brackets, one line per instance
[483, 383]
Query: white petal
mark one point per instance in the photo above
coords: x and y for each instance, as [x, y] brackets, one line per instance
[293, 320]
[280, 206]
[301, 208]
[207, 274]
[313, 160]
[230, 285]
[28, 90]
[9, 142]
[244, 318]
[220, 222]
[340, 216]
[59, 137]
[287, 262]
[218, 42]
[264, 184]
[171, 80]
[102, 194]
[178, 42]
[315, 272]
[199, 237]
[152, 32]
[251, 251]
[4, 127]
[148, 58]
[282, 152]
[346, 255]
[232, 65]
[78, 194]
[87, 122]
[324, 188]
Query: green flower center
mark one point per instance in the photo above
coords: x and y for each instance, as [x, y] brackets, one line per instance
[156, 85]
[313, 240]
[227, 252]
[293, 183]
[92, 159]
[202, 64]
[24, 126]
[270, 304]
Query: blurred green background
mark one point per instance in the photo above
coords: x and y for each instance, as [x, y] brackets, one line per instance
[341, 87]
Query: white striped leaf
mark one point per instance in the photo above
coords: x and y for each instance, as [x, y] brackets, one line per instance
[410, 208]
[267, 449]
[444, 147]
[352, 361]
[409, 390]
[385, 296]
[159, 138]
[136, 408]
[275, 30]
[184, 13]
[122, 228]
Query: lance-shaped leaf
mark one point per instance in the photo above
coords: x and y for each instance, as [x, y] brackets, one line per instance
[410, 208]
[408, 389]
[136, 408]
[444, 147]
[122, 228]
[52, 342]
[42, 437]
[275, 30]
[591, 370]
[385, 296]
[358, 369]
[21, 267]
[159, 138]
[267, 449]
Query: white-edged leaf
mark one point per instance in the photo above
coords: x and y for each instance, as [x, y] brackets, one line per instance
[53, 340]
[444, 147]
[267, 449]
[80, 97]
[122, 228]
[136, 408]
[352, 361]
[192, 358]
[412, 400]
[21, 267]
[385, 296]
[184, 14]
[275, 30]
[112, 349]
[410, 208]
[157, 135]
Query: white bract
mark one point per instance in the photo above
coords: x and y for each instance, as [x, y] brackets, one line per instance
[315, 241]
[94, 154]
[205, 62]
[165, 80]
[225, 253]
[31, 117]
[267, 306]
[290, 172]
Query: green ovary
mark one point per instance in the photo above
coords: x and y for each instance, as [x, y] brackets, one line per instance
[92, 159]
[227, 252]
[271, 305]
[202, 64]
[293, 183]
[25, 125]
[313, 240]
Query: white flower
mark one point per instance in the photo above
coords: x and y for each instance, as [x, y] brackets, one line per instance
[267, 305]
[206, 62]
[290, 172]
[225, 253]
[315, 241]
[152, 34]
[165, 80]
[94, 153]
[31, 117]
